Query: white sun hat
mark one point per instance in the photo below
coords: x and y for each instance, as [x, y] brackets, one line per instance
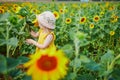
[47, 19]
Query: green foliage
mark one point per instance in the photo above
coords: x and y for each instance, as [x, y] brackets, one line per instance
[3, 64]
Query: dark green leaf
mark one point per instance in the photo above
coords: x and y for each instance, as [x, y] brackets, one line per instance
[116, 74]
[107, 57]
[22, 59]
[93, 66]
[2, 42]
[12, 63]
[85, 77]
[72, 76]
[76, 63]
[3, 64]
[27, 78]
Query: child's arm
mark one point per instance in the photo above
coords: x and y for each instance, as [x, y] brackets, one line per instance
[34, 34]
[46, 43]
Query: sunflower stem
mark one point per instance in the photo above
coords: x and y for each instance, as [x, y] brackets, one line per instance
[7, 37]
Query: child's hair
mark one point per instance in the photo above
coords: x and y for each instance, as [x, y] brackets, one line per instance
[47, 19]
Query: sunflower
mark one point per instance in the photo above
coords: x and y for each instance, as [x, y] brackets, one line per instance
[2, 7]
[82, 20]
[61, 11]
[16, 9]
[15, 5]
[114, 18]
[33, 10]
[1, 11]
[47, 65]
[111, 8]
[112, 33]
[56, 14]
[68, 20]
[91, 26]
[96, 18]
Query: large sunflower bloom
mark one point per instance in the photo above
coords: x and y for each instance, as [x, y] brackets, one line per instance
[56, 14]
[48, 64]
[82, 20]
[96, 18]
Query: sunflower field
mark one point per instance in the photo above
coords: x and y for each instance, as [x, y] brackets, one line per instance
[87, 33]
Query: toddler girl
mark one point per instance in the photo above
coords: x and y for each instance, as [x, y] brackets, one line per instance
[46, 21]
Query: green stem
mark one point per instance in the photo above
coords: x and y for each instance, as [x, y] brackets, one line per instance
[112, 63]
[7, 37]
[76, 47]
[110, 67]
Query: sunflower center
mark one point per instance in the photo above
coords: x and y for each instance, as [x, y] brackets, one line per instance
[96, 18]
[47, 63]
[1, 11]
[61, 10]
[82, 20]
[68, 20]
[55, 15]
[15, 9]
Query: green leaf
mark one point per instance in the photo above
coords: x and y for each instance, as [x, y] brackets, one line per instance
[72, 76]
[107, 57]
[76, 63]
[13, 19]
[23, 12]
[86, 77]
[15, 73]
[68, 50]
[72, 33]
[22, 59]
[2, 29]
[84, 59]
[93, 66]
[27, 78]
[80, 35]
[116, 74]
[3, 64]
[12, 41]
[4, 16]
[2, 42]
[117, 62]
[12, 63]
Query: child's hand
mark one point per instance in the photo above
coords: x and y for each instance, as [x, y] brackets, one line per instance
[34, 34]
[30, 41]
